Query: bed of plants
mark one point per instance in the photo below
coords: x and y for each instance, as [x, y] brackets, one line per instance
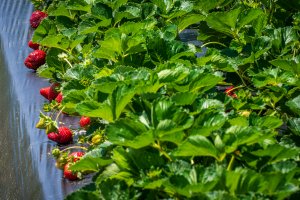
[162, 122]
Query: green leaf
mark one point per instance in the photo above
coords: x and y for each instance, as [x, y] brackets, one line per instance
[72, 98]
[294, 105]
[225, 22]
[120, 97]
[82, 195]
[88, 192]
[87, 26]
[248, 16]
[101, 11]
[204, 82]
[242, 181]
[46, 72]
[45, 28]
[239, 121]
[269, 122]
[56, 41]
[184, 98]
[117, 190]
[277, 153]
[78, 5]
[110, 48]
[207, 5]
[61, 10]
[189, 20]
[129, 133]
[236, 136]
[53, 61]
[171, 75]
[288, 65]
[94, 109]
[128, 12]
[91, 161]
[294, 125]
[196, 145]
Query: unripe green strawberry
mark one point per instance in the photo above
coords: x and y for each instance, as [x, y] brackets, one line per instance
[97, 139]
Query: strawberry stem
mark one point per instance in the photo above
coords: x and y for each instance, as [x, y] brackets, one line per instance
[57, 116]
[74, 147]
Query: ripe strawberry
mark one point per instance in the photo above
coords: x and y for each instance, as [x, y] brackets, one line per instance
[35, 59]
[32, 45]
[230, 92]
[59, 98]
[75, 156]
[53, 91]
[65, 135]
[84, 121]
[53, 136]
[68, 174]
[36, 18]
[45, 92]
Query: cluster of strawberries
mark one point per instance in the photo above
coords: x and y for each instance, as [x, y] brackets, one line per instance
[61, 135]
[36, 58]
[64, 160]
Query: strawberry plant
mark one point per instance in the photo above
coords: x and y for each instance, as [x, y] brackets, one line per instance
[167, 123]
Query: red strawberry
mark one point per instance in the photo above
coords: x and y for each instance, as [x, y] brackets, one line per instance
[59, 98]
[53, 91]
[45, 92]
[68, 174]
[32, 45]
[75, 156]
[36, 18]
[53, 136]
[229, 92]
[84, 121]
[35, 59]
[65, 135]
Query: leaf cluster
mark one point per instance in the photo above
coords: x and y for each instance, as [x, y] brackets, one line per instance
[170, 130]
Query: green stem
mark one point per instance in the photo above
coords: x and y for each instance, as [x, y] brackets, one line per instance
[68, 62]
[244, 83]
[74, 147]
[235, 88]
[230, 163]
[213, 43]
[158, 147]
[222, 157]
[57, 116]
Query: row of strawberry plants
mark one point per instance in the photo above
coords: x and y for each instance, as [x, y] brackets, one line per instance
[158, 124]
